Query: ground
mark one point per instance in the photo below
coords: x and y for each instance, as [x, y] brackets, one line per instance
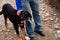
[50, 18]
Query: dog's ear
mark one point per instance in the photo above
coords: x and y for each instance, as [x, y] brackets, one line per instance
[29, 14]
[22, 11]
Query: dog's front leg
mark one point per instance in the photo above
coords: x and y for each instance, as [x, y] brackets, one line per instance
[17, 32]
[24, 33]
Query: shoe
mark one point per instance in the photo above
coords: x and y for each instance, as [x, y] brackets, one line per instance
[31, 38]
[40, 33]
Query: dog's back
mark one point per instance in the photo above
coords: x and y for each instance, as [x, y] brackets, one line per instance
[11, 13]
[9, 9]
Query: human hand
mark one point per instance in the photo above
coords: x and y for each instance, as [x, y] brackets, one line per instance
[18, 12]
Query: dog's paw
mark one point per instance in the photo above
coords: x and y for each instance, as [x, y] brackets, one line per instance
[27, 38]
[7, 30]
[19, 39]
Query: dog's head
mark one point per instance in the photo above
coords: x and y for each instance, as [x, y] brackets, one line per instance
[25, 15]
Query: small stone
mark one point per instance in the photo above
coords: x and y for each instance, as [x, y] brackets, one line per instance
[47, 14]
[51, 18]
[55, 14]
[56, 26]
[58, 31]
[8, 30]
[56, 18]
[43, 17]
[14, 32]
[58, 36]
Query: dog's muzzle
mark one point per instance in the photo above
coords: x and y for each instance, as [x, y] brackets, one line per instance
[23, 23]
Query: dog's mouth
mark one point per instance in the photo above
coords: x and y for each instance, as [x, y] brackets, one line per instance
[23, 22]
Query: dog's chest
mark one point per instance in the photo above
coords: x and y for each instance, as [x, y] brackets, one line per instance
[14, 19]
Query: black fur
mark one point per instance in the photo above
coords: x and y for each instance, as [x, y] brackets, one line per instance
[9, 12]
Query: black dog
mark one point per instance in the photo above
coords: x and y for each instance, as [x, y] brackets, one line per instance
[9, 12]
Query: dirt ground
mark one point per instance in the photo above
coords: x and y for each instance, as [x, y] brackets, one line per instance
[50, 17]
